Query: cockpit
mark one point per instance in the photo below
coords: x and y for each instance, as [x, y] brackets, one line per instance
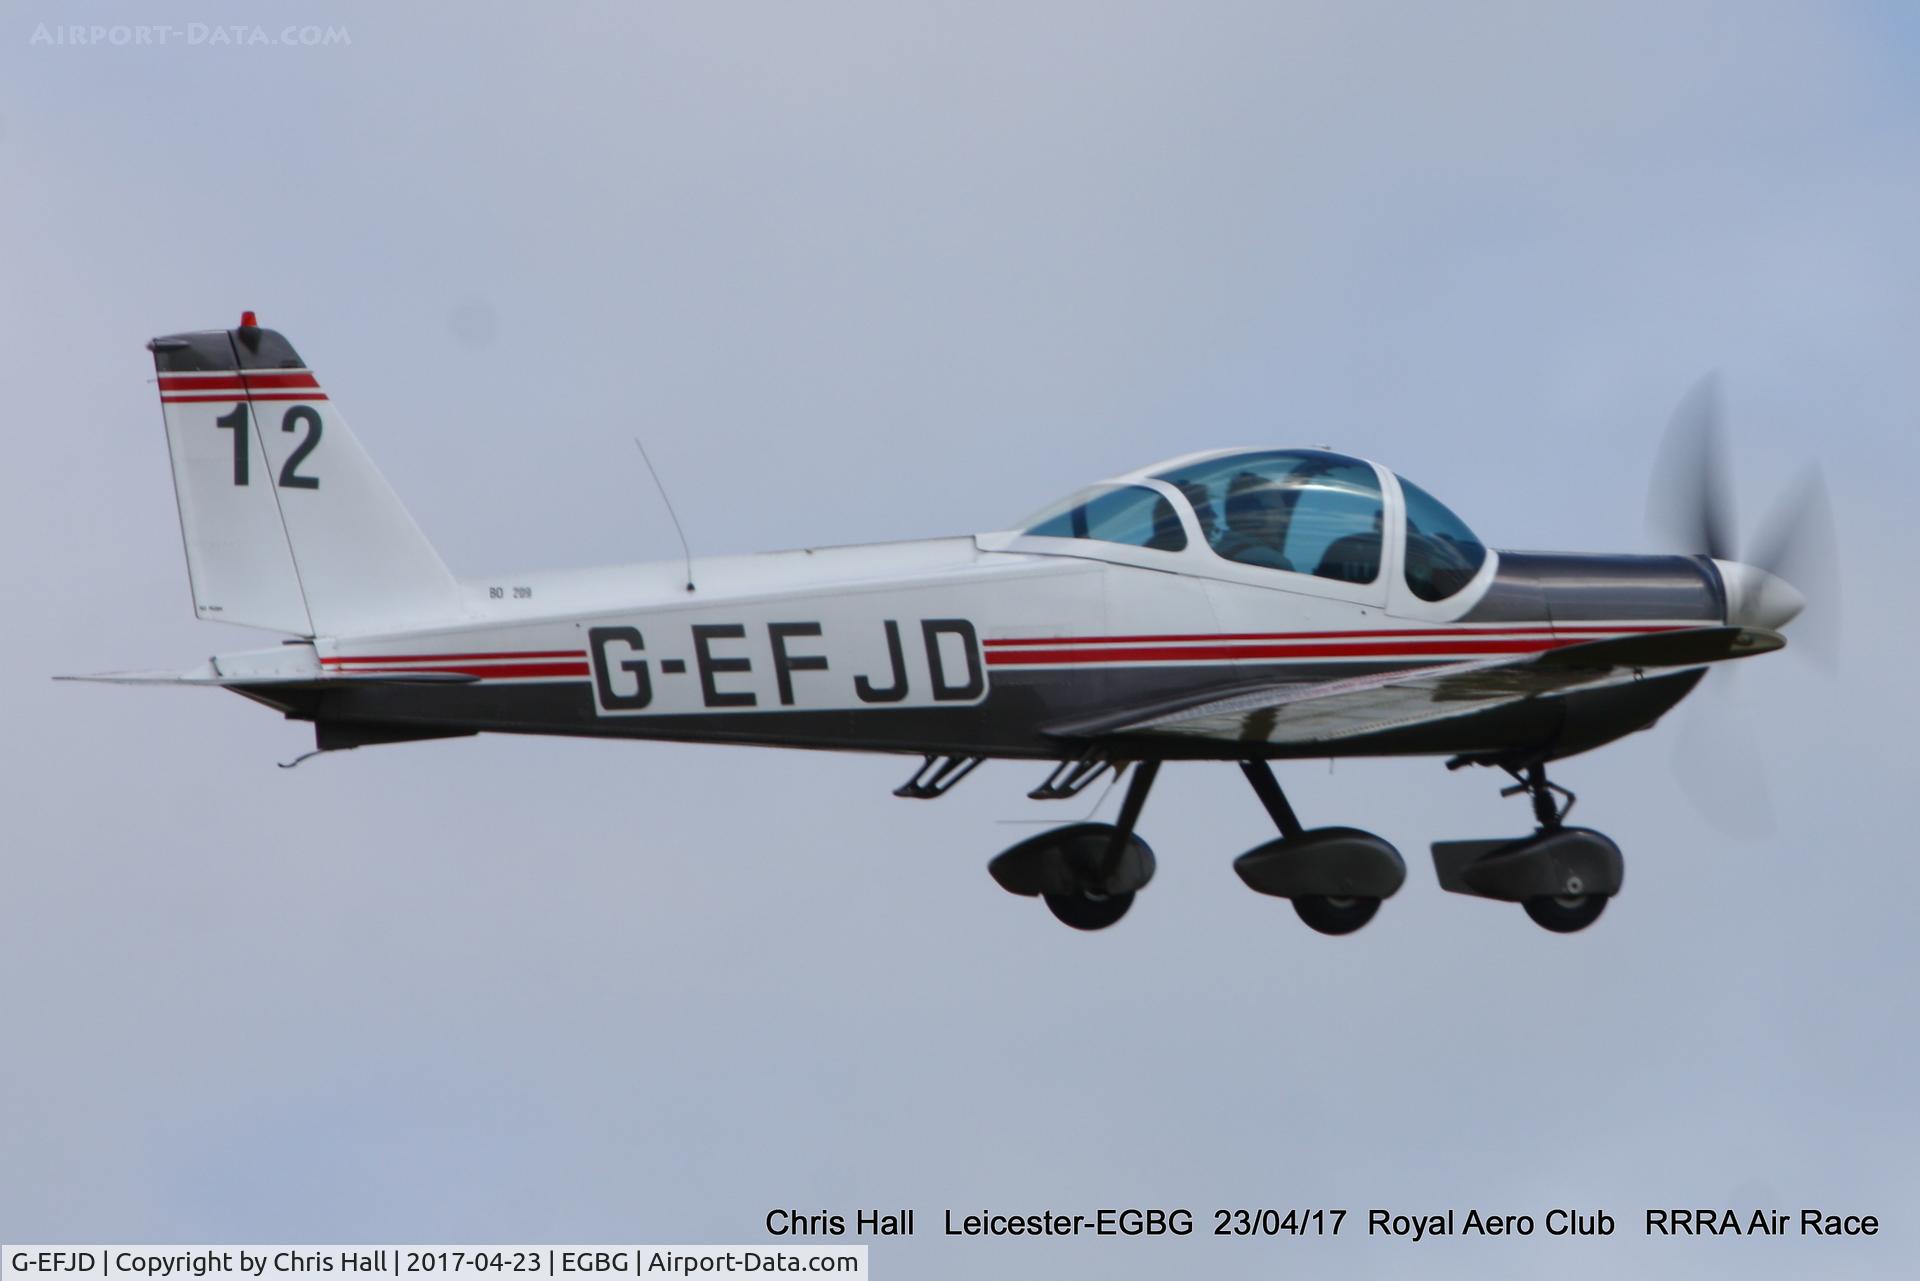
[1308, 512]
[1303, 511]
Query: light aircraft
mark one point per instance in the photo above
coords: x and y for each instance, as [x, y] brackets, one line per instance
[1240, 605]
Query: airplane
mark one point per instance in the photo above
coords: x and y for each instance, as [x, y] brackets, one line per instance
[1236, 605]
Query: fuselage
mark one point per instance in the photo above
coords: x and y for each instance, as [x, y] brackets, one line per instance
[974, 646]
[1115, 611]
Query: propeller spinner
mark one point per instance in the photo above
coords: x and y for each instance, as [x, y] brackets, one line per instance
[1794, 566]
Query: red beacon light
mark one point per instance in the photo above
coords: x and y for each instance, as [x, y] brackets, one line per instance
[248, 320]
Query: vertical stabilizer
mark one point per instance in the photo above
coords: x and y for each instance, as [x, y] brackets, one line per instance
[288, 525]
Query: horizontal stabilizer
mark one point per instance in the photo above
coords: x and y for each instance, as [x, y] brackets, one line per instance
[204, 675]
[283, 665]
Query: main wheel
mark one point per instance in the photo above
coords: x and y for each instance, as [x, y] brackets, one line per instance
[1335, 915]
[1089, 911]
[1565, 913]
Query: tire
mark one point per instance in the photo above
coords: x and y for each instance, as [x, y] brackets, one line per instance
[1089, 911]
[1335, 915]
[1567, 914]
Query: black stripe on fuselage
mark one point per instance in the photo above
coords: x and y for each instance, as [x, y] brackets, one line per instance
[1010, 722]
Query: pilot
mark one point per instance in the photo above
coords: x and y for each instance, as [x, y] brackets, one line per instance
[1202, 503]
[1167, 534]
[1257, 514]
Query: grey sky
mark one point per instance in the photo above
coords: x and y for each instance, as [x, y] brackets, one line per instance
[879, 271]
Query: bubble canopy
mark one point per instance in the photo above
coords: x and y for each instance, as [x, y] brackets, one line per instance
[1305, 511]
[1297, 511]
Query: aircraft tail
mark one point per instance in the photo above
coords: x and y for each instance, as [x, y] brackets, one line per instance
[288, 524]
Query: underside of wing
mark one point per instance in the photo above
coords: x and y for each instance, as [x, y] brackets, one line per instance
[1305, 713]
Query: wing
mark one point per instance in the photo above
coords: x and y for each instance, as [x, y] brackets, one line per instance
[1304, 713]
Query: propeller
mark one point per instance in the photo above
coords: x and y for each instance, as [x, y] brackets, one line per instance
[1797, 543]
[1690, 505]
[1690, 508]
[1790, 577]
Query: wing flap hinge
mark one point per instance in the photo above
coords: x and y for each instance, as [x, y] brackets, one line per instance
[937, 776]
[1070, 778]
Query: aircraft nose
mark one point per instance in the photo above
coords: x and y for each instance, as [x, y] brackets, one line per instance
[1756, 598]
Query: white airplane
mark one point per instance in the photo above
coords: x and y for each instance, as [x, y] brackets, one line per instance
[1238, 605]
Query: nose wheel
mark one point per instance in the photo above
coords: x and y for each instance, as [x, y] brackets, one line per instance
[1561, 913]
[1560, 876]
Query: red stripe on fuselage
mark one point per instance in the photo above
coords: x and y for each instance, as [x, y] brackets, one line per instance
[1281, 653]
[457, 658]
[514, 664]
[484, 671]
[1541, 629]
[493, 671]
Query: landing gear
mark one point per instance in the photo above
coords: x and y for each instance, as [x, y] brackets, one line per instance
[1547, 812]
[1088, 911]
[1087, 873]
[1565, 913]
[1334, 915]
[1562, 876]
[1336, 877]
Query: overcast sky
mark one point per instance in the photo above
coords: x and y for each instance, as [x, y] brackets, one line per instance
[863, 272]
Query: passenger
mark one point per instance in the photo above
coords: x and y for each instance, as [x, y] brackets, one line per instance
[1257, 514]
[1354, 558]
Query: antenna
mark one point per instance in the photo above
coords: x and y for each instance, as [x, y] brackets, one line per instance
[685, 551]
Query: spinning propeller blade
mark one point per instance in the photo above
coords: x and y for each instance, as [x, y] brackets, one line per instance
[1797, 543]
[1719, 764]
[1690, 509]
[1690, 505]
